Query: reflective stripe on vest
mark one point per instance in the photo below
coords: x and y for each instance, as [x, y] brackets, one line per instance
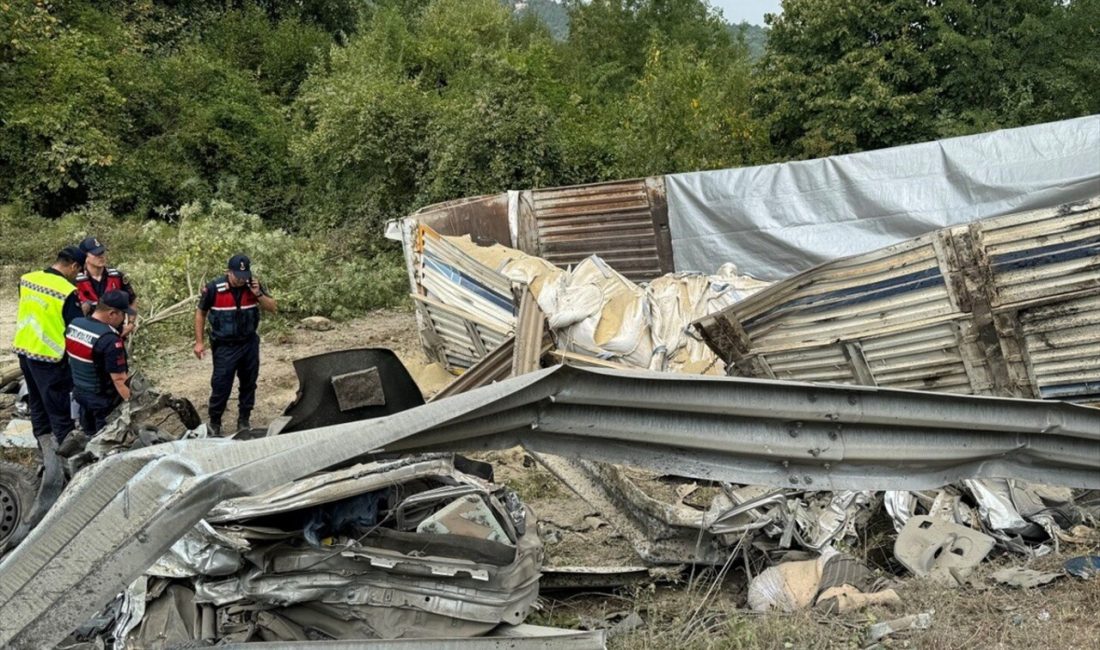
[80, 339]
[40, 325]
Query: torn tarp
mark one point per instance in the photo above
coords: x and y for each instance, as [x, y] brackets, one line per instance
[777, 220]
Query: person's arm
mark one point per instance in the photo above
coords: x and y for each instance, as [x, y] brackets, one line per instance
[206, 301]
[267, 303]
[114, 358]
[131, 321]
[200, 328]
[129, 289]
[71, 310]
[119, 380]
[129, 326]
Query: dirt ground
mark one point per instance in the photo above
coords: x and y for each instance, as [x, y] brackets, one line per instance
[699, 612]
[178, 371]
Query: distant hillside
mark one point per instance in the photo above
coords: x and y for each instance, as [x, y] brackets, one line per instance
[755, 38]
[550, 12]
[556, 19]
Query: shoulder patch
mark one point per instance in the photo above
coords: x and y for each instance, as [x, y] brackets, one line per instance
[119, 344]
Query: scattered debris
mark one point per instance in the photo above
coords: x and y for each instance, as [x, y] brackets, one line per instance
[944, 551]
[18, 433]
[846, 598]
[832, 582]
[1085, 567]
[1022, 578]
[316, 323]
[921, 621]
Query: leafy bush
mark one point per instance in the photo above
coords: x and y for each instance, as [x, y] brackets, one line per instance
[169, 260]
[307, 275]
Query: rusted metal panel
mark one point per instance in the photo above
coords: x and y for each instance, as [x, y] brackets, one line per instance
[1007, 306]
[658, 205]
[530, 332]
[623, 222]
[484, 218]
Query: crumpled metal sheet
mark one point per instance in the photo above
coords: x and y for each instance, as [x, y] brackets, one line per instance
[201, 551]
[1009, 510]
[120, 514]
[332, 486]
[504, 637]
[248, 582]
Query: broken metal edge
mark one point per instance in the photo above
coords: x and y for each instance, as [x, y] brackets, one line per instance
[122, 514]
[505, 637]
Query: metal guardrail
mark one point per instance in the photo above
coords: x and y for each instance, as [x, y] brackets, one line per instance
[123, 513]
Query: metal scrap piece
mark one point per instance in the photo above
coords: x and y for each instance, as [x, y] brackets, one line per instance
[941, 550]
[358, 388]
[505, 637]
[120, 514]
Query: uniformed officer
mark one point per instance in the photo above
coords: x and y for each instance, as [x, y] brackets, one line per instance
[233, 303]
[98, 278]
[47, 304]
[97, 358]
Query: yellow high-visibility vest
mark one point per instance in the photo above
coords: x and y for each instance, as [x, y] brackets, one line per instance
[40, 328]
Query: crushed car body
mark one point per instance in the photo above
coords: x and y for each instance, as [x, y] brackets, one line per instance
[123, 513]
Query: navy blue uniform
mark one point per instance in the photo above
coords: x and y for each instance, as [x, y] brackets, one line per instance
[95, 352]
[234, 316]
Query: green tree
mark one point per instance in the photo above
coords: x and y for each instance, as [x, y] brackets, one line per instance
[842, 75]
[361, 124]
[62, 103]
[203, 129]
[609, 39]
[688, 113]
[277, 54]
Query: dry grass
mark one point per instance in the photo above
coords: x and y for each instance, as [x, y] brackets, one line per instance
[1063, 614]
[19, 455]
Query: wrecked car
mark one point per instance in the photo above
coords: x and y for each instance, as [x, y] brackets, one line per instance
[415, 546]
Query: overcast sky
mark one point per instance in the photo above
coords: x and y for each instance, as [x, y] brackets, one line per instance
[749, 11]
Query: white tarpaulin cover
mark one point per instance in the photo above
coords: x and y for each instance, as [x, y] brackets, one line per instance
[777, 220]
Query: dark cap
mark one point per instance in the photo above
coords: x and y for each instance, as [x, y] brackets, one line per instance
[72, 253]
[116, 299]
[241, 266]
[91, 246]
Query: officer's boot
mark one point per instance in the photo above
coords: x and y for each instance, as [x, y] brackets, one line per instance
[242, 422]
[214, 426]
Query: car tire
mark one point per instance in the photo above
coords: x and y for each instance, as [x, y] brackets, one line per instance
[18, 487]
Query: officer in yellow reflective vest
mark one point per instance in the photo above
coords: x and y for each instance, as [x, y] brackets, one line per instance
[47, 304]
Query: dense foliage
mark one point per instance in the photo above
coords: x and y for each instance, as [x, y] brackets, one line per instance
[332, 116]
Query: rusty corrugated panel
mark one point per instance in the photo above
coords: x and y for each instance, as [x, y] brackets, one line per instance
[624, 222]
[1009, 306]
[531, 334]
[484, 218]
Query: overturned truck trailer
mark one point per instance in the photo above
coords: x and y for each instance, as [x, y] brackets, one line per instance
[778, 221]
[969, 265]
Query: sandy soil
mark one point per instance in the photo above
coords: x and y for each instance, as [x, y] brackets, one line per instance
[179, 372]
